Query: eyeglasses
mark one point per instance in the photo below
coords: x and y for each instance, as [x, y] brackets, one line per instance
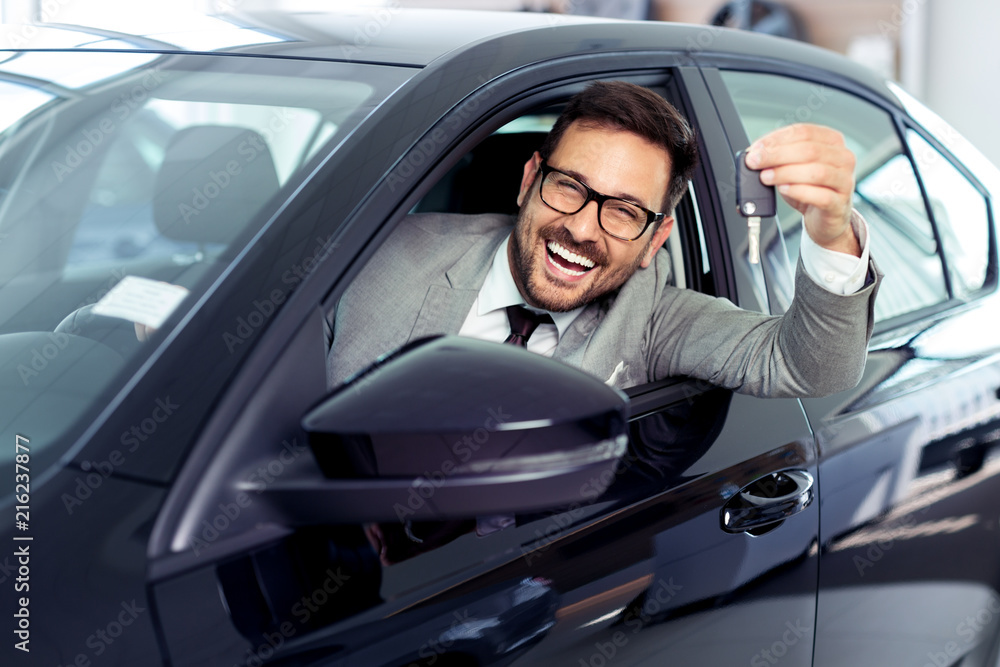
[621, 218]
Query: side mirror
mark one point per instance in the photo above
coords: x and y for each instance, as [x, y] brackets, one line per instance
[452, 427]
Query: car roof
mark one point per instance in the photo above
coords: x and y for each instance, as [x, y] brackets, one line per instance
[422, 37]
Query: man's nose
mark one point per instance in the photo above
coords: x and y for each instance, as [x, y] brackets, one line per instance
[584, 224]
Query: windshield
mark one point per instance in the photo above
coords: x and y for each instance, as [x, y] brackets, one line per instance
[128, 182]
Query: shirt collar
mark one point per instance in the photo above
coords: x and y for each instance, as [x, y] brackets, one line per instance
[500, 291]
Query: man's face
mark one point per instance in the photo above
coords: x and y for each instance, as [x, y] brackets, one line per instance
[560, 262]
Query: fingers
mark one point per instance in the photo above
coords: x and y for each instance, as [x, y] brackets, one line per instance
[812, 168]
[805, 145]
[806, 198]
[805, 155]
[800, 133]
[823, 175]
[143, 331]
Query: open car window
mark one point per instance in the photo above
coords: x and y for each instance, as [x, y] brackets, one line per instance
[487, 178]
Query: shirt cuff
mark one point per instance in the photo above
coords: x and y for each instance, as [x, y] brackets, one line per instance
[837, 272]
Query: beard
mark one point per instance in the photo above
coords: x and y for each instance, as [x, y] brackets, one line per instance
[542, 291]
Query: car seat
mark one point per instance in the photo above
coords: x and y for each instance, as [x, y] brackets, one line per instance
[213, 181]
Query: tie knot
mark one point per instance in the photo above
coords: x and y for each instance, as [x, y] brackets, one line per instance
[523, 323]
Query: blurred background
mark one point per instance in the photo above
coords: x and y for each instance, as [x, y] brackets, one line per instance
[942, 51]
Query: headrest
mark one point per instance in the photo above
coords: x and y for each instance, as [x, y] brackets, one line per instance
[213, 180]
[490, 180]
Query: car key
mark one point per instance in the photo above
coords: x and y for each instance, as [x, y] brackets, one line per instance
[754, 200]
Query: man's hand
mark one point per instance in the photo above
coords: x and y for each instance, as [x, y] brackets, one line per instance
[143, 332]
[813, 170]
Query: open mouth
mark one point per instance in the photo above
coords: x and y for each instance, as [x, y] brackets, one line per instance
[568, 263]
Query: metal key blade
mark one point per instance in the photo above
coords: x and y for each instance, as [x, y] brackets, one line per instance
[753, 238]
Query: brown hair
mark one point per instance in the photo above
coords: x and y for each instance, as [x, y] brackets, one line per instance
[629, 107]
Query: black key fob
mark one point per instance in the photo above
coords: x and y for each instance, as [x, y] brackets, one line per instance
[753, 198]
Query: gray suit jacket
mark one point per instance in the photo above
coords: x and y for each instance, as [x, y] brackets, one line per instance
[425, 278]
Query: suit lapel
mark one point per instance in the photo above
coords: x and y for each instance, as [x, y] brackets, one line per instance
[573, 344]
[447, 305]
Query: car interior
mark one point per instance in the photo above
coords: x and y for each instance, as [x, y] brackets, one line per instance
[191, 160]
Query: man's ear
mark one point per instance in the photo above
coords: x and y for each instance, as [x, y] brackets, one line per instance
[659, 238]
[528, 177]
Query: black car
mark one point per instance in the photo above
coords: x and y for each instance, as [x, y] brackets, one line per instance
[191, 490]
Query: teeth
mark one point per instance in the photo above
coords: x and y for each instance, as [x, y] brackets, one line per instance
[557, 249]
[568, 272]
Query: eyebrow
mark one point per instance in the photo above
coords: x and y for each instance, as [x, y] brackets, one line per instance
[625, 196]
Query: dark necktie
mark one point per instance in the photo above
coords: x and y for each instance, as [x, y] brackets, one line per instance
[523, 323]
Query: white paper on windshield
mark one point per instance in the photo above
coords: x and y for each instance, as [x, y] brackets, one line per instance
[141, 300]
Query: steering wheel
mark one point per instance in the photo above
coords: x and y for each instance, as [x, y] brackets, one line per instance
[114, 332]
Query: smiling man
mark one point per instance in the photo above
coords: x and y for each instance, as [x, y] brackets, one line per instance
[563, 258]
[596, 205]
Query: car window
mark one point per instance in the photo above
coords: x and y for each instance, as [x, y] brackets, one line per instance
[960, 215]
[118, 224]
[121, 199]
[888, 193]
[889, 197]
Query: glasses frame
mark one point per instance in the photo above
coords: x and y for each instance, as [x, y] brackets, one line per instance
[544, 169]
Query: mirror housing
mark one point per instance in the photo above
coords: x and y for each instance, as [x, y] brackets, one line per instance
[451, 427]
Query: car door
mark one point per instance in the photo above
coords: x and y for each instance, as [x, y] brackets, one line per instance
[706, 529]
[909, 549]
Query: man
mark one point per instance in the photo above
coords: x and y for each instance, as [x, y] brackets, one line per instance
[596, 204]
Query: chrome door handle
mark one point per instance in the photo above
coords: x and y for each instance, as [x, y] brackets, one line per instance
[767, 501]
